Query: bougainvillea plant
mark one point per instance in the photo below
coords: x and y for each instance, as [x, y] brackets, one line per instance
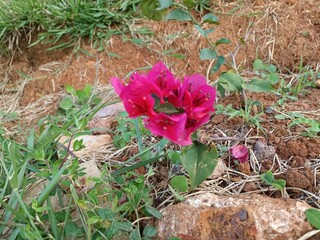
[171, 108]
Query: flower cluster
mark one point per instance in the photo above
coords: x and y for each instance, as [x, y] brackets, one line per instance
[173, 109]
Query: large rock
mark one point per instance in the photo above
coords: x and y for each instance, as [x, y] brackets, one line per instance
[103, 119]
[91, 142]
[209, 217]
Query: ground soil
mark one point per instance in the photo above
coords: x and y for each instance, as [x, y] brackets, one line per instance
[285, 33]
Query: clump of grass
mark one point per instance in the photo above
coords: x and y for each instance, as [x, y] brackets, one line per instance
[70, 21]
[60, 209]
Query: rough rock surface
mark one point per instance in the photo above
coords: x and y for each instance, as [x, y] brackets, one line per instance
[263, 151]
[209, 216]
[91, 143]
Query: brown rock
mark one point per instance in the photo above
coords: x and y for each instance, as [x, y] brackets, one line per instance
[103, 119]
[110, 110]
[297, 161]
[100, 125]
[91, 170]
[209, 216]
[263, 151]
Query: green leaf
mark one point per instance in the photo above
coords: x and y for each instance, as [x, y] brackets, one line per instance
[164, 4]
[222, 41]
[78, 145]
[259, 65]
[199, 160]
[279, 184]
[231, 81]
[267, 177]
[189, 3]
[313, 216]
[153, 211]
[207, 53]
[280, 116]
[210, 18]
[94, 219]
[176, 194]
[167, 108]
[149, 231]
[106, 214]
[135, 235]
[202, 31]
[273, 78]
[149, 9]
[178, 56]
[69, 89]
[258, 85]
[174, 156]
[178, 14]
[180, 183]
[123, 226]
[84, 94]
[218, 64]
[72, 229]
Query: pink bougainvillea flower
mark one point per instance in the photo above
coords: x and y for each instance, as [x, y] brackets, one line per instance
[172, 109]
[162, 80]
[240, 152]
[202, 96]
[171, 127]
[135, 96]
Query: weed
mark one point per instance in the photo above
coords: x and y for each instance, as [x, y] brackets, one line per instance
[270, 180]
[250, 113]
[125, 131]
[311, 126]
[297, 86]
[158, 10]
[78, 98]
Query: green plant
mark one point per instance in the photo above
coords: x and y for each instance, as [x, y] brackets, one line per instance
[125, 131]
[270, 180]
[24, 164]
[119, 198]
[180, 11]
[311, 126]
[248, 113]
[198, 160]
[78, 98]
[265, 77]
[304, 79]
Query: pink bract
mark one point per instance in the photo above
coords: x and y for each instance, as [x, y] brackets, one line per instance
[136, 96]
[172, 109]
[162, 80]
[171, 127]
[240, 152]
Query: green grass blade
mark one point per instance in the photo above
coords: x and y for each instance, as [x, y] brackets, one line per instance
[53, 220]
[52, 184]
